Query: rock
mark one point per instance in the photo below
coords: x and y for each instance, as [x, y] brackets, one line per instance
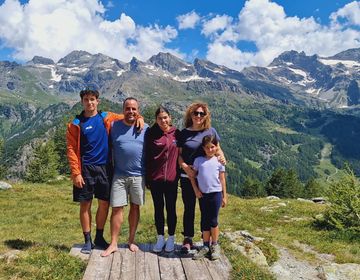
[320, 200]
[10, 255]
[4, 185]
[243, 242]
[272, 197]
[282, 204]
[336, 271]
[289, 267]
[304, 200]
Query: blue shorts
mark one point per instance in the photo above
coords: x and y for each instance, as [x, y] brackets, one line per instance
[210, 204]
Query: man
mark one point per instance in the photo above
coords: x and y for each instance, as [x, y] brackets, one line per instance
[88, 155]
[128, 154]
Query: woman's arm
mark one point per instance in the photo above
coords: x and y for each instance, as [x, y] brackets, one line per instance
[223, 185]
[187, 168]
[196, 189]
[220, 155]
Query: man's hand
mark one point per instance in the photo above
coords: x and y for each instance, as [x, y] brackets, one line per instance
[78, 181]
[224, 201]
[198, 193]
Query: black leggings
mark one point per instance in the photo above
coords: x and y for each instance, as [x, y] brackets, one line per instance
[189, 200]
[167, 191]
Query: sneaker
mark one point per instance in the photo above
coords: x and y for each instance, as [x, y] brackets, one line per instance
[160, 243]
[187, 244]
[87, 247]
[215, 251]
[170, 244]
[101, 243]
[204, 252]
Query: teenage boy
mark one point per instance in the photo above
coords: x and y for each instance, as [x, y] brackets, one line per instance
[89, 160]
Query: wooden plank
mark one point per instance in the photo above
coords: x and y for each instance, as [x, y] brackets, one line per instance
[128, 264]
[115, 272]
[140, 263]
[151, 269]
[195, 270]
[170, 266]
[215, 269]
[98, 267]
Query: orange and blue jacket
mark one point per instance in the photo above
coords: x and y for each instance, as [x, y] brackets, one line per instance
[73, 139]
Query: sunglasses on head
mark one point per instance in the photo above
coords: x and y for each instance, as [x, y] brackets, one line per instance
[199, 114]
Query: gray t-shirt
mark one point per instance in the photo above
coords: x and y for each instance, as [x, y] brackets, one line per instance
[208, 174]
[128, 149]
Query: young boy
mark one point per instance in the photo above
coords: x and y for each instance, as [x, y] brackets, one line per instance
[88, 155]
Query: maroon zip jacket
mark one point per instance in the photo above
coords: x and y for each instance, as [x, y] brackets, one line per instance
[161, 154]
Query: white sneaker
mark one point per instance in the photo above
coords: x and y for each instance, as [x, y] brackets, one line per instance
[160, 243]
[170, 244]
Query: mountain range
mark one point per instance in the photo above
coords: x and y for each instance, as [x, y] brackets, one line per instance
[292, 77]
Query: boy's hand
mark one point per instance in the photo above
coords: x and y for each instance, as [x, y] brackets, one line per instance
[140, 123]
[78, 181]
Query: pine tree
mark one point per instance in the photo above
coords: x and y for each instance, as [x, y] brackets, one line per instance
[344, 197]
[312, 189]
[44, 163]
[252, 188]
[284, 183]
[60, 148]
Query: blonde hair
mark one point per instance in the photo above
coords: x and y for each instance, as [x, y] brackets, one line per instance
[206, 124]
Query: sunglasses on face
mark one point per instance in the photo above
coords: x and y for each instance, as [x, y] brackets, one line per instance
[199, 114]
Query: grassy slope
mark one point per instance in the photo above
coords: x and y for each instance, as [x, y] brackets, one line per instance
[42, 222]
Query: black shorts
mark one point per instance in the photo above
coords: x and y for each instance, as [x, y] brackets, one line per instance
[97, 183]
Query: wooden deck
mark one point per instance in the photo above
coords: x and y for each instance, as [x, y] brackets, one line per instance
[145, 264]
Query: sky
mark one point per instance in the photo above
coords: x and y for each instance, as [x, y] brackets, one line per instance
[233, 33]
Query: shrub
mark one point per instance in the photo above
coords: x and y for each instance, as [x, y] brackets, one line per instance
[344, 197]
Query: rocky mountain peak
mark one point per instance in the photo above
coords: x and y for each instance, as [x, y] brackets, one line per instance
[293, 57]
[41, 60]
[74, 57]
[170, 63]
[350, 54]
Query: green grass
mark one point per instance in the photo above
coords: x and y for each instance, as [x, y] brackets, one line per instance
[42, 222]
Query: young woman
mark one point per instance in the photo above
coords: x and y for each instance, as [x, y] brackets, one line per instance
[210, 189]
[197, 124]
[162, 175]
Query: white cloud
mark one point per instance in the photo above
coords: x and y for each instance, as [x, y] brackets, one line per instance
[55, 28]
[265, 24]
[215, 24]
[350, 12]
[188, 20]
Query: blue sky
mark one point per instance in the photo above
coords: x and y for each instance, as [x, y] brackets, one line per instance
[233, 33]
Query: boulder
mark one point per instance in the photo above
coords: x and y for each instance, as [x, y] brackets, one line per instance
[4, 185]
[336, 271]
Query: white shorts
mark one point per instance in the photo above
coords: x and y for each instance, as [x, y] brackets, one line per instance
[125, 186]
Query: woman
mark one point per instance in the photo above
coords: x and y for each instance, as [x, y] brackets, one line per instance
[197, 124]
[162, 175]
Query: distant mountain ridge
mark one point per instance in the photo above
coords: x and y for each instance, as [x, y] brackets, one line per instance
[292, 77]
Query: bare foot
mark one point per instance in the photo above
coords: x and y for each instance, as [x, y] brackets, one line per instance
[111, 249]
[133, 247]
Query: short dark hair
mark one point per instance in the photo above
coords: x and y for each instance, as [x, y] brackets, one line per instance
[130, 98]
[89, 92]
[161, 109]
[209, 139]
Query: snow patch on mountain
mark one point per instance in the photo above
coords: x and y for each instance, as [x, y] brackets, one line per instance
[333, 62]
